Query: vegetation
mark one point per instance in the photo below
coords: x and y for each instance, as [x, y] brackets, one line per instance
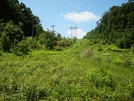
[38, 65]
[21, 31]
[116, 26]
[80, 73]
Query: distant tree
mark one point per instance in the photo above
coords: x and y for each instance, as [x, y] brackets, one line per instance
[9, 33]
[51, 39]
[58, 36]
[13, 31]
[116, 26]
[18, 12]
[130, 0]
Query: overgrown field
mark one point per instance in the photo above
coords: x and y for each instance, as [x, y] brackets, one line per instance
[83, 72]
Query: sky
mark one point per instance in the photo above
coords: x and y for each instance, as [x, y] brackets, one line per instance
[80, 14]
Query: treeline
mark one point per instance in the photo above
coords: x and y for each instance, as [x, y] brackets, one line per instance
[116, 26]
[20, 15]
[21, 30]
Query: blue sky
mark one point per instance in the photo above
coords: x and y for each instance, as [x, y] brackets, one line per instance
[66, 13]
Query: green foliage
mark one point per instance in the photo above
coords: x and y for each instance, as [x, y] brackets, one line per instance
[101, 78]
[100, 48]
[21, 48]
[58, 36]
[32, 42]
[116, 26]
[5, 42]
[50, 40]
[65, 75]
[132, 48]
[13, 31]
[9, 33]
[18, 12]
[87, 53]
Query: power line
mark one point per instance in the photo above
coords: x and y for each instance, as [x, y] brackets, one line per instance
[102, 5]
[86, 5]
[82, 5]
[95, 4]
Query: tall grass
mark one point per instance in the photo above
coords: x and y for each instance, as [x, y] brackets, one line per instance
[67, 75]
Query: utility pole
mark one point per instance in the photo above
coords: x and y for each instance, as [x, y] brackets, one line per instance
[53, 27]
[73, 31]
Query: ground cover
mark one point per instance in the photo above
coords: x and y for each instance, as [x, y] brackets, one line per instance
[85, 71]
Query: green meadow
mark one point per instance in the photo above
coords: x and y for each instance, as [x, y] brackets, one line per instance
[82, 72]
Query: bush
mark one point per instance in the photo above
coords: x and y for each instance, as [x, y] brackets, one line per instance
[119, 43]
[87, 53]
[21, 48]
[0, 53]
[32, 42]
[100, 48]
[127, 62]
[58, 48]
[102, 78]
[132, 48]
[95, 41]
[104, 42]
[5, 43]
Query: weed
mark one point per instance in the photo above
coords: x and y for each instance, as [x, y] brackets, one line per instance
[100, 48]
[65, 76]
[87, 53]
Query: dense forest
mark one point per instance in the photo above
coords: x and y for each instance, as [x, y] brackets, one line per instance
[116, 26]
[15, 13]
[21, 30]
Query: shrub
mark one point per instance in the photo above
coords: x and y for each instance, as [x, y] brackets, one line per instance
[21, 48]
[132, 48]
[104, 42]
[117, 61]
[5, 43]
[58, 48]
[100, 48]
[102, 78]
[119, 43]
[127, 62]
[87, 53]
[95, 41]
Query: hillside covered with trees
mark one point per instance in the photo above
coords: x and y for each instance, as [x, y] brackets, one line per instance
[21, 30]
[116, 26]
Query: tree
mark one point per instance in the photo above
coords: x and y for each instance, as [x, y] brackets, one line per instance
[18, 12]
[116, 26]
[130, 0]
[13, 31]
[50, 40]
[58, 36]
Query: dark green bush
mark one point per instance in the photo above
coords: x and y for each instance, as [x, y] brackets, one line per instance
[132, 48]
[100, 48]
[21, 48]
[119, 43]
[5, 43]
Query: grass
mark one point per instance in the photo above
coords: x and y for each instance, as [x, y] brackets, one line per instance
[79, 73]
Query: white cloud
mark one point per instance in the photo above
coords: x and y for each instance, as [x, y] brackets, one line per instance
[80, 33]
[80, 17]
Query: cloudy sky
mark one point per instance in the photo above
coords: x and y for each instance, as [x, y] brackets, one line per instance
[66, 13]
